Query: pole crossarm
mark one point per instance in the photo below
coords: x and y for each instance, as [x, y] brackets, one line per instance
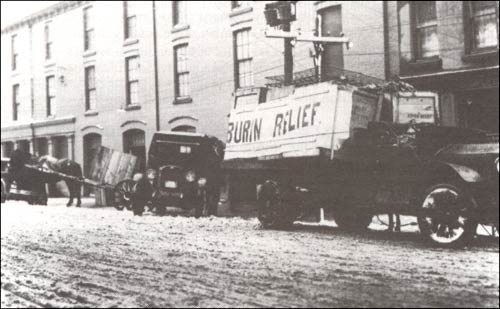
[304, 37]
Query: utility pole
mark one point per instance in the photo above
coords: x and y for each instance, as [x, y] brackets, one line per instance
[155, 53]
[288, 54]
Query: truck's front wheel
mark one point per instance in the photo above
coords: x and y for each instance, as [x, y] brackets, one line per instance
[446, 216]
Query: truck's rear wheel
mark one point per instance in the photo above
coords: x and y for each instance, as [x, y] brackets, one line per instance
[446, 216]
[353, 220]
[272, 213]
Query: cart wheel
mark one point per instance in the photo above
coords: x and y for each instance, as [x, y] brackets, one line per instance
[446, 216]
[124, 191]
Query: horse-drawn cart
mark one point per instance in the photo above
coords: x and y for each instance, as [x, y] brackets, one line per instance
[27, 176]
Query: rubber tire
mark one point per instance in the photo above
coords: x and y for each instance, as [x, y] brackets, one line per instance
[470, 228]
[271, 193]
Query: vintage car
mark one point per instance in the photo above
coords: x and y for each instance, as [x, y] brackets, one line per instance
[447, 177]
[183, 172]
[325, 146]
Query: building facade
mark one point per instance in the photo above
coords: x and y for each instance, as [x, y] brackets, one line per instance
[450, 47]
[82, 74]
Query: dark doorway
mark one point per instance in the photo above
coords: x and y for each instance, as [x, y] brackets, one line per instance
[479, 109]
[333, 55]
[134, 143]
[91, 143]
[60, 145]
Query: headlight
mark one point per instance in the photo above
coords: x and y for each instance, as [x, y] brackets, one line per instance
[496, 163]
[151, 174]
[190, 176]
[202, 182]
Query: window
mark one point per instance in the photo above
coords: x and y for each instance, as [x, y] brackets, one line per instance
[90, 98]
[179, 13]
[14, 53]
[15, 102]
[50, 95]
[88, 26]
[48, 43]
[426, 41]
[181, 72]
[132, 70]
[129, 19]
[243, 59]
[239, 4]
[482, 24]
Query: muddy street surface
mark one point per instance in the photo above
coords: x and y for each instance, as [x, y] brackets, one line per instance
[100, 257]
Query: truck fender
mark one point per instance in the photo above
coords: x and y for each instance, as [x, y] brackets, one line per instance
[466, 173]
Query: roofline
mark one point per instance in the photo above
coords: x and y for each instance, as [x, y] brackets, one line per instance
[49, 12]
[450, 72]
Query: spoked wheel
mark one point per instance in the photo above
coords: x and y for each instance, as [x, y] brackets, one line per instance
[272, 213]
[123, 194]
[446, 217]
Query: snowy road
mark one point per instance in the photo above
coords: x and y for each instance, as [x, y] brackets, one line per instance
[58, 256]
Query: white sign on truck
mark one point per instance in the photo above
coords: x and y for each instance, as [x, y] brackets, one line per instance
[303, 123]
[419, 107]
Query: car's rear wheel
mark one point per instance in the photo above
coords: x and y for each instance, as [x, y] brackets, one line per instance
[446, 216]
[272, 212]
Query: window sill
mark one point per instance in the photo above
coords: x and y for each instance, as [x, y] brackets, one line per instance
[89, 53]
[130, 41]
[183, 100]
[481, 56]
[132, 107]
[426, 64]
[91, 113]
[239, 11]
[179, 28]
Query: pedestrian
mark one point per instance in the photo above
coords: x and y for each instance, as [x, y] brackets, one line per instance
[143, 191]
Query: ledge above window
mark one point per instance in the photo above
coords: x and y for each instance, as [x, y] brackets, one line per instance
[130, 41]
[482, 56]
[240, 10]
[91, 113]
[132, 107]
[178, 28]
[89, 53]
[430, 64]
[183, 100]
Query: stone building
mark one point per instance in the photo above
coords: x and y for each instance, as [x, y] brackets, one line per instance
[450, 47]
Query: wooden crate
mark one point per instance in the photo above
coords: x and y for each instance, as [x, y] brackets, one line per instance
[110, 167]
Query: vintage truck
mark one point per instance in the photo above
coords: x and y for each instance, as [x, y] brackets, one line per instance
[325, 146]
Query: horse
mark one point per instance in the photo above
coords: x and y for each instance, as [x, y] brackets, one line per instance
[67, 167]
